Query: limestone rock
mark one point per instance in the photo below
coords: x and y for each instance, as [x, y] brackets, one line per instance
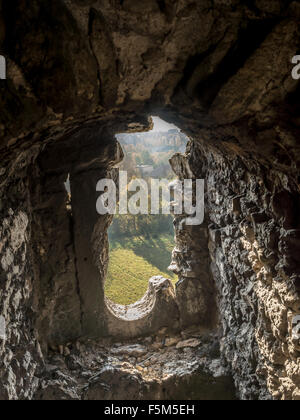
[193, 342]
[78, 72]
[134, 350]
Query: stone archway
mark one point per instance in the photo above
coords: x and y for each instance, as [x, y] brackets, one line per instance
[212, 68]
[72, 253]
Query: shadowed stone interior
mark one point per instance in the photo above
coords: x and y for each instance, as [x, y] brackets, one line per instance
[78, 73]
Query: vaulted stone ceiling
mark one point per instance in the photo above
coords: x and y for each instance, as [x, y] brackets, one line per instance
[224, 64]
[80, 71]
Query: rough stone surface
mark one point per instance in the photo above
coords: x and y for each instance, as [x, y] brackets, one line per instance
[157, 309]
[21, 357]
[254, 232]
[80, 72]
[126, 371]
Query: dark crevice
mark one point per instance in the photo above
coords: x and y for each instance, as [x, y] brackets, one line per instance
[292, 99]
[252, 6]
[192, 63]
[162, 5]
[248, 42]
[92, 17]
[72, 234]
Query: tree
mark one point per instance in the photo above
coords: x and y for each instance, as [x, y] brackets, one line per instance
[146, 158]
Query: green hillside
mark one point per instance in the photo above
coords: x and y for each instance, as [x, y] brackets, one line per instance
[133, 261]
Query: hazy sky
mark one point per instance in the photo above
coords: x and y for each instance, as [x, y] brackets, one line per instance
[160, 125]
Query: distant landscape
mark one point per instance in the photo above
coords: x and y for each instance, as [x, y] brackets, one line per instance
[141, 246]
[151, 149]
[133, 261]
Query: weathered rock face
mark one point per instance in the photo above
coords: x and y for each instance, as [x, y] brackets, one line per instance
[81, 71]
[195, 290]
[253, 240]
[156, 368]
[21, 357]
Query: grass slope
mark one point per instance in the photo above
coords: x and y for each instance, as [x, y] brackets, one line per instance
[133, 261]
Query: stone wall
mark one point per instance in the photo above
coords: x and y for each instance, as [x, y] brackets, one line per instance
[72, 252]
[219, 70]
[195, 290]
[254, 246]
[21, 358]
